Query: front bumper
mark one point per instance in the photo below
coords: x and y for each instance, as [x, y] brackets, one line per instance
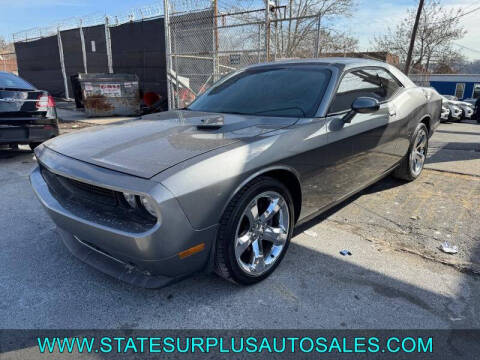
[468, 113]
[26, 134]
[147, 259]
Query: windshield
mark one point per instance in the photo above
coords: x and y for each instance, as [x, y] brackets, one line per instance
[294, 91]
[10, 81]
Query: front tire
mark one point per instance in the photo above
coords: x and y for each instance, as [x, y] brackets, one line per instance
[255, 231]
[412, 164]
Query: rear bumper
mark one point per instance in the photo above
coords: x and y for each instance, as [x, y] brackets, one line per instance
[26, 133]
[149, 259]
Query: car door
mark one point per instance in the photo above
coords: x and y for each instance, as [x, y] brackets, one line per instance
[350, 143]
[341, 163]
[382, 138]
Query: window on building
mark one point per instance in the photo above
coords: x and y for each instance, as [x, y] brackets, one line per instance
[476, 91]
[460, 90]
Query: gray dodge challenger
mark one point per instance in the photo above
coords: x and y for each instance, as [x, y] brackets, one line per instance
[220, 185]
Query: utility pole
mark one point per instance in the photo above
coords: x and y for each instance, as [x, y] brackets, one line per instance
[215, 39]
[414, 35]
[168, 51]
[267, 30]
[317, 43]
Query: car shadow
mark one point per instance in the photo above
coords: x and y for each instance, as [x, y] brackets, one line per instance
[453, 151]
[335, 290]
[385, 184]
[457, 132]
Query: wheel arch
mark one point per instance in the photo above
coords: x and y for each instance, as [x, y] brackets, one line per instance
[286, 175]
[427, 120]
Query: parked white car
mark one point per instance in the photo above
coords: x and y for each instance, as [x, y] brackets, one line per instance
[455, 111]
[467, 108]
[445, 114]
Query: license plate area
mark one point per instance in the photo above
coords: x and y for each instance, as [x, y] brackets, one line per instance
[13, 133]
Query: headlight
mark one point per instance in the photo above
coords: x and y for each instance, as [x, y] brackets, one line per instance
[147, 204]
[130, 199]
[140, 202]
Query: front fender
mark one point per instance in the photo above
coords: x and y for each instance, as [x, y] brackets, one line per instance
[204, 186]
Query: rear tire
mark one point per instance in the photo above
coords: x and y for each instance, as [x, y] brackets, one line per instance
[412, 164]
[255, 232]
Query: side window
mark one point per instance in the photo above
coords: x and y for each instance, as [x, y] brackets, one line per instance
[375, 83]
[390, 84]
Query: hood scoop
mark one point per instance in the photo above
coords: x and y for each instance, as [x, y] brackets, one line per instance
[211, 123]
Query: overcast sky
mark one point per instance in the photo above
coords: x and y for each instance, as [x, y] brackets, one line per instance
[371, 16]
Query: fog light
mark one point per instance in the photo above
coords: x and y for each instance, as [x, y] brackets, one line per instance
[130, 199]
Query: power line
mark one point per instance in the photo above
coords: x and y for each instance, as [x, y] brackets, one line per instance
[456, 17]
[466, 47]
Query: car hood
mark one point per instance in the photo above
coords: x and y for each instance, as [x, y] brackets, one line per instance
[148, 145]
[459, 103]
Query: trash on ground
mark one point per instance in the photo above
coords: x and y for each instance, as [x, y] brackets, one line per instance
[415, 217]
[310, 233]
[448, 248]
[345, 253]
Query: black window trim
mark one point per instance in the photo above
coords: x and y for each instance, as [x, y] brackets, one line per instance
[401, 87]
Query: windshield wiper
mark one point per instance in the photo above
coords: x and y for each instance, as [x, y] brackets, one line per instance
[280, 109]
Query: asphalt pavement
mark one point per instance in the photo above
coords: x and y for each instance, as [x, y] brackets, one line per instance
[387, 282]
[455, 147]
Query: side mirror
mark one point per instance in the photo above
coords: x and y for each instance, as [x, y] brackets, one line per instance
[362, 105]
[365, 105]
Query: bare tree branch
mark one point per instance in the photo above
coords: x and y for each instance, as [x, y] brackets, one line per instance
[437, 30]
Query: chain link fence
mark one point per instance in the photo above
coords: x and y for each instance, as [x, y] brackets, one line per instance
[134, 14]
[208, 39]
[204, 41]
[8, 62]
[50, 56]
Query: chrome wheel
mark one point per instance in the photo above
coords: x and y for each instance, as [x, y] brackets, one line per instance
[418, 153]
[262, 233]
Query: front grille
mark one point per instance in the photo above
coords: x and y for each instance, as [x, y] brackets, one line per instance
[79, 190]
[97, 204]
